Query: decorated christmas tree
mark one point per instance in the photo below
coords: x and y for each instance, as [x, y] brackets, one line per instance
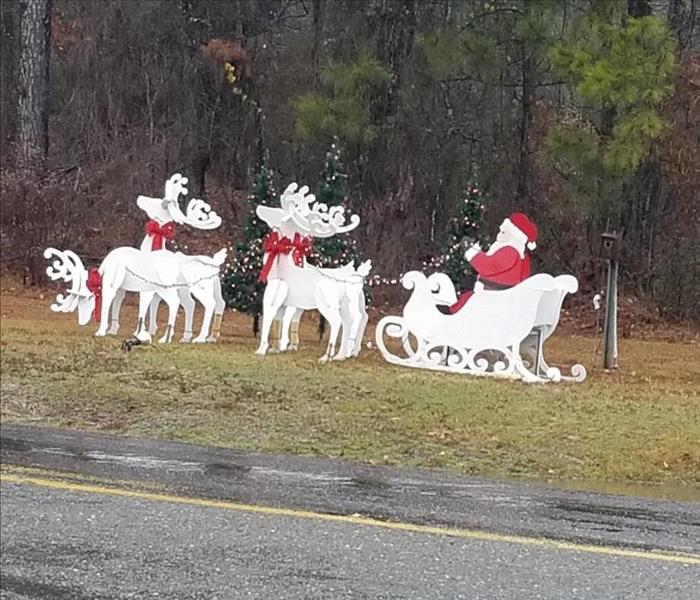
[465, 227]
[240, 286]
[338, 250]
[341, 249]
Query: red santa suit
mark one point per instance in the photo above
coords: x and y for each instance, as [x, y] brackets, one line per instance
[507, 266]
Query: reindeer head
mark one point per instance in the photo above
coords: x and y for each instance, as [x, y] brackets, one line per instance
[442, 289]
[69, 268]
[199, 214]
[300, 213]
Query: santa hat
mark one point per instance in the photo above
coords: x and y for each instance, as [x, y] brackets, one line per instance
[522, 228]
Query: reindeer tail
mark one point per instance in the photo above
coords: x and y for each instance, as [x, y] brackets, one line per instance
[214, 261]
[364, 268]
[220, 257]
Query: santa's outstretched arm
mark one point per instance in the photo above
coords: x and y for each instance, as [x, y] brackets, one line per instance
[492, 265]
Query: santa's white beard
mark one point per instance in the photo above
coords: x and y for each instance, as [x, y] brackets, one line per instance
[496, 246]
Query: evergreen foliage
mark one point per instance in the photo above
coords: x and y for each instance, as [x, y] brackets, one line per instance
[621, 69]
[338, 250]
[449, 53]
[240, 286]
[344, 112]
[474, 50]
[465, 229]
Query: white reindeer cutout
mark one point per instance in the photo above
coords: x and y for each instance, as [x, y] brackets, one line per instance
[164, 214]
[169, 275]
[294, 286]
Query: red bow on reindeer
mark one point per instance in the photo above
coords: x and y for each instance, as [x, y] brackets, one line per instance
[160, 233]
[273, 245]
[94, 285]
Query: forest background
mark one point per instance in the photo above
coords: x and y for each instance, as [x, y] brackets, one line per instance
[585, 114]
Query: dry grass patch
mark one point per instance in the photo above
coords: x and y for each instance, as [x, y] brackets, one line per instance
[640, 423]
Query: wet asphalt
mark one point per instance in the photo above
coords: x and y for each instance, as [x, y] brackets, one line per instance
[64, 544]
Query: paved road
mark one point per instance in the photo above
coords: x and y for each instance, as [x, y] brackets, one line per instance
[102, 517]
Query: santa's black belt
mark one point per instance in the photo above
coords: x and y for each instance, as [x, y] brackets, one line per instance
[492, 286]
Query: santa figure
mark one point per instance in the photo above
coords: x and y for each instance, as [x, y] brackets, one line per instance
[506, 262]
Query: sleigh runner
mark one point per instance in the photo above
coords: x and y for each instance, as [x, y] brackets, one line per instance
[487, 336]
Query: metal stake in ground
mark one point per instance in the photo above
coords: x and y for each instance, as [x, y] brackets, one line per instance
[611, 251]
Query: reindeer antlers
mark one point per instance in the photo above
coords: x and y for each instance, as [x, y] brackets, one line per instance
[317, 220]
[199, 213]
[329, 222]
[201, 216]
[174, 187]
[68, 267]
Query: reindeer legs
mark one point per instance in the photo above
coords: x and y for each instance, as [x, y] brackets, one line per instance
[108, 294]
[346, 318]
[333, 318]
[172, 299]
[153, 315]
[188, 306]
[145, 299]
[111, 284]
[364, 317]
[358, 322]
[116, 307]
[273, 299]
[208, 302]
[219, 306]
[328, 305]
[294, 330]
[287, 319]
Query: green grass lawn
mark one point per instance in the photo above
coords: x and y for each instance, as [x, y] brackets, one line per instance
[641, 423]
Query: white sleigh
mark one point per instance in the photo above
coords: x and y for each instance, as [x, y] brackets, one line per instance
[487, 336]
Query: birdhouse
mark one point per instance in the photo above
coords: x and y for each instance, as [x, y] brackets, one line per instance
[611, 245]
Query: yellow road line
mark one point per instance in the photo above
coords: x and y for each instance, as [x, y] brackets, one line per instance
[7, 476]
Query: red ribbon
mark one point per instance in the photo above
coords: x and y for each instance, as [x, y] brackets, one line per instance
[302, 247]
[94, 284]
[273, 245]
[160, 233]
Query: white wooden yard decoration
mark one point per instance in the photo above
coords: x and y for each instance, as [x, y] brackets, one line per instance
[173, 276]
[293, 285]
[487, 336]
[164, 214]
[488, 330]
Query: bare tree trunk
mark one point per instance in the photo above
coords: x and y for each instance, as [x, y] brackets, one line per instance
[33, 102]
[9, 46]
[317, 16]
[683, 19]
[196, 126]
[638, 8]
[523, 185]
[396, 28]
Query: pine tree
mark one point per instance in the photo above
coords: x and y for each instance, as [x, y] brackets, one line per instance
[621, 70]
[338, 250]
[240, 286]
[466, 227]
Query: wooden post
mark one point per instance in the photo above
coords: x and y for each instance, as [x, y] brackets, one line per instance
[611, 250]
